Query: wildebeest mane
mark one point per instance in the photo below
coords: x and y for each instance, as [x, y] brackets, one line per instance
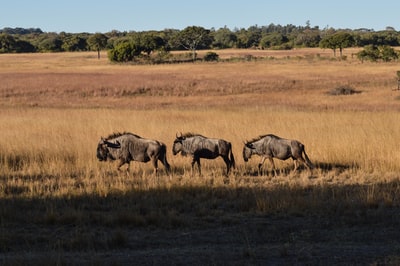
[119, 134]
[191, 134]
[261, 137]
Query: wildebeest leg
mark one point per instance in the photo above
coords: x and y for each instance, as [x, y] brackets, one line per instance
[273, 165]
[260, 164]
[121, 163]
[296, 165]
[155, 165]
[196, 160]
[198, 165]
[228, 164]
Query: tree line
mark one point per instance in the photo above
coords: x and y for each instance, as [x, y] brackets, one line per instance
[128, 46]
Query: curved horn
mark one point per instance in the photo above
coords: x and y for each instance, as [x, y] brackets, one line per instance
[248, 144]
[116, 145]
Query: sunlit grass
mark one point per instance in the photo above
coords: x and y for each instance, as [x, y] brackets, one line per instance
[57, 145]
[294, 83]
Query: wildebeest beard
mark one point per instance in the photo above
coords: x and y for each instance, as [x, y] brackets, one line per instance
[101, 153]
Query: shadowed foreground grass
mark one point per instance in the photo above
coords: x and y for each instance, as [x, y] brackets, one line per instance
[203, 224]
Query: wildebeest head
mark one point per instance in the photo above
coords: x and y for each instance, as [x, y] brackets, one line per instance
[247, 151]
[103, 151]
[177, 147]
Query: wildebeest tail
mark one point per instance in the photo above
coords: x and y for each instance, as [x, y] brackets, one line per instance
[308, 162]
[232, 158]
[164, 157]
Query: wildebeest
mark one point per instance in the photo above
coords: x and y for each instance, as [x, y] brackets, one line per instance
[271, 146]
[198, 146]
[128, 147]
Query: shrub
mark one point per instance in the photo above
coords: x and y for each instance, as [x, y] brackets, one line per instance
[374, 53]
[387, 53]
[211, 56]
[124, 52]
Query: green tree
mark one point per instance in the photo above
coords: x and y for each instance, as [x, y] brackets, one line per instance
[224, 38]
[22, 46]
[338, 40]
[151, 42]
[308, 38]
[211, 56]
[51, 43]
[124, 51]
[242, 38]
[97, 42]
[193, 38]
[274, 39]
[74, 43]
[370, 52]
[248, 38]
[169, 38]
[254, 36]
[387, 53]
[374, 53]
[7, 43]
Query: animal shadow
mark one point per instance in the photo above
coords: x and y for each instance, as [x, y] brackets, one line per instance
[338, 167]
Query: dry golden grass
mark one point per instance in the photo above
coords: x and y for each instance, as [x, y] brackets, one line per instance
[62, 142]
[75, 80]
[55, 107]
[287, 96]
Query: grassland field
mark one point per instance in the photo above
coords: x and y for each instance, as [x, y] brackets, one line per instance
[60, 206]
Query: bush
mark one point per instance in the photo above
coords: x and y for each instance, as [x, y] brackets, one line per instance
[211, 56]
[374, 53]
[387, 53]
[124, 52]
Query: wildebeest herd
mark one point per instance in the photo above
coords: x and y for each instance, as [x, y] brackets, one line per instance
[128, 147]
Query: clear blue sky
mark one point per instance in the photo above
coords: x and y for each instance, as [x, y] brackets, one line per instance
[74, 16]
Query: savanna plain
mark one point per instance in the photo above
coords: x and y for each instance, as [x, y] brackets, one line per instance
[60, 206]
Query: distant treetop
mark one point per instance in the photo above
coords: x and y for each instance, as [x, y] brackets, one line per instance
[21, 31]
[128, 45]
